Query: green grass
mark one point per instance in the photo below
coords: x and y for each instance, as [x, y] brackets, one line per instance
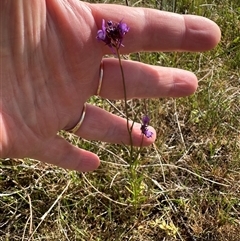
[184, 187]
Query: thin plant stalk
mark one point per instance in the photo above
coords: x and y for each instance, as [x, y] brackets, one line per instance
[129, 128]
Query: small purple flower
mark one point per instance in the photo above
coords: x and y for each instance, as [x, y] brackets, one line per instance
[145, 120]
[102, 34]
[123, 28]
[144, 129]
[112, 33]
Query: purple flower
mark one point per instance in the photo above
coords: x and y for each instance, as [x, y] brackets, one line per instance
[144, 129]
[102, 34]
[145, 120]
[112, 33]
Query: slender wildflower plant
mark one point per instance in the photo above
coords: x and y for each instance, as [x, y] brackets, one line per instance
[112, 34]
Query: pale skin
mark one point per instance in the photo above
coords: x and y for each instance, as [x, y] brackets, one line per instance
[50, 62]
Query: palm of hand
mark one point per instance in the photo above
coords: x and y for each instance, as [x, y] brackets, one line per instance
[52, 60]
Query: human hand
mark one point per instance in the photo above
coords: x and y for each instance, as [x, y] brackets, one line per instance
[50, 66]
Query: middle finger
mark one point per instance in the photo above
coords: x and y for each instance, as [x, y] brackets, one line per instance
[145, 81]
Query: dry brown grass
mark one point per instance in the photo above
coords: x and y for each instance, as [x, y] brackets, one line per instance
[185, 187]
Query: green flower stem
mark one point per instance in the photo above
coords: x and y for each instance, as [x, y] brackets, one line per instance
[129, 128]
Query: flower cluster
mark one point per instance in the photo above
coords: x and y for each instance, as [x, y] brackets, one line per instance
[144, 129]
[112, 33]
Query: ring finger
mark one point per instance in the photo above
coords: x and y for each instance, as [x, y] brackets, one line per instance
[103, 126]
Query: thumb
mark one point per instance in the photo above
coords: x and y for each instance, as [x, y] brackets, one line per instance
[59, 152]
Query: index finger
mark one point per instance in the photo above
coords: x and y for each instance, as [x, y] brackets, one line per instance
[155, 30]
